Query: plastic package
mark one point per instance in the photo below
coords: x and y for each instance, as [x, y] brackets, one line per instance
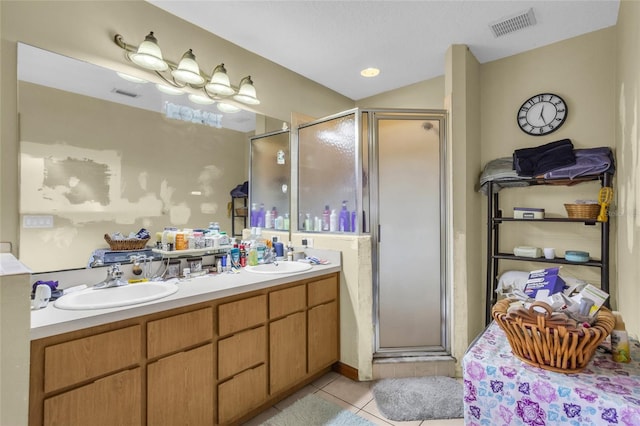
[620, 341]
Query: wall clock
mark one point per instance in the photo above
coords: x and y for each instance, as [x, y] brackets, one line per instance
[542, 114]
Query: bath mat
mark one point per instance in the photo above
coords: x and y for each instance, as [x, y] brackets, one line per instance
[313, 410]
[419, 398]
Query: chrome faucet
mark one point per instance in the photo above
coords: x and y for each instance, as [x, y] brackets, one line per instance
[270, 256]
[114, 278]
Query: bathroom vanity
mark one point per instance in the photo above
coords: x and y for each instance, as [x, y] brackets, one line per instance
[218, 351]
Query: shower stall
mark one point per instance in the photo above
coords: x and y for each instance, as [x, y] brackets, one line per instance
[386, 168]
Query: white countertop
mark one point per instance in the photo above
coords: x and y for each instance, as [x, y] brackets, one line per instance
[50, 321]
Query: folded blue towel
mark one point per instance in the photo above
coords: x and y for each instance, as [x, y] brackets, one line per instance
[544, 158]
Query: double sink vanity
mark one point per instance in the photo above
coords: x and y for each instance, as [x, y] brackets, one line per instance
[214, 349]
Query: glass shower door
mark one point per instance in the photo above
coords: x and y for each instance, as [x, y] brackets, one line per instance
[410, 284]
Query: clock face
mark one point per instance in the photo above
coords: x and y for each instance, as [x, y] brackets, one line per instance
[542, 114]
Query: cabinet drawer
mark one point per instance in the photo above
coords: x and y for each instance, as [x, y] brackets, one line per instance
[179, 331]
[83, 359]
[242, 393]
[112, 400]
[322, 291]
[242, 314]
[287, 301]
[180, 388]
[241, 351]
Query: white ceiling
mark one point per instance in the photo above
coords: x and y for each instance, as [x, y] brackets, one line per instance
[331, 41]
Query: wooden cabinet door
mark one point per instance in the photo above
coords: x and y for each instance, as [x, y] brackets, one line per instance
[239, 395]
[323, 336]
[111, 401]
[287, 352]
[180, 389]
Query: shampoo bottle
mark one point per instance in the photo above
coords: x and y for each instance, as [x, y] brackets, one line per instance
[620, 341]
[343, 220]
[261, 216]
[333, 221]
[254, 215]
[354, 218]
[268, 220]
[326, 218]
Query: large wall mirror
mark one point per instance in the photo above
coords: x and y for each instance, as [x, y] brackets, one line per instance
[101, 154]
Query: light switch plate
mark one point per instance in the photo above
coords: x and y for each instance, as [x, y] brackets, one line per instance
[37, 221]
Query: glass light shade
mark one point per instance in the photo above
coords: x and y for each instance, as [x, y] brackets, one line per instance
[228, 108]
[219, 83]
[188, 70]
[201, 99]
[247, 92]
[149, 55]
[131, 78]
[169, 90]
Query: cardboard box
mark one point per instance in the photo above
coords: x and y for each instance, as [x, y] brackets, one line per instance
[543, 283]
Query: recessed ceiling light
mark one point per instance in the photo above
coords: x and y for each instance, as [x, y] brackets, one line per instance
[370, 72]
[131, 78]
[169, 90]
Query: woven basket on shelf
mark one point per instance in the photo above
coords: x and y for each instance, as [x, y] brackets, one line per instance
[128, 244]
[551, 347]
[583, 211]
[242, 211]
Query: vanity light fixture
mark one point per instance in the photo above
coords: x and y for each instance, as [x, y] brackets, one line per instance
[169, 90]
[131, 78]
[228, 108]
[186, 74]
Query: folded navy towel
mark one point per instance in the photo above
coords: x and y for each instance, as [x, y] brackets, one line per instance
[544, 158]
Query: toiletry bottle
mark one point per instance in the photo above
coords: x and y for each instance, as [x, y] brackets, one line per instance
[317, 224]
[261, 216]
[307, 222]
[254, 215]
[286, 222]
[326, 218]
[343, 220]
[620, 340]
[333, 221]
[279, 223]
[268, 220]
[354, 217]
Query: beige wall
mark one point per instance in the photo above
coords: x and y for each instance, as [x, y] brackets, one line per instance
[627, 106]
[461, 99]
[428, 94]
[582, 71]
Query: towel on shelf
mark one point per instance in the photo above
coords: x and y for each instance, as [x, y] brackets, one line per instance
[500, 172]
[589, 161]
[544, 158]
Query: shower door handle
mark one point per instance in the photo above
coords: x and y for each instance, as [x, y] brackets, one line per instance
[379, 233]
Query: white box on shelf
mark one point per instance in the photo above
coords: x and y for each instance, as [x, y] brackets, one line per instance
[528, 213]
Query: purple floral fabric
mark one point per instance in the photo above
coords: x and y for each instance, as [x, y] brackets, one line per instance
[499, 389]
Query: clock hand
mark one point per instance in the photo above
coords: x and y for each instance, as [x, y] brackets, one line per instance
[542, 115]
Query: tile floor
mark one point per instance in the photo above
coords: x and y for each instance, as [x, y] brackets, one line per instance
[353, 396]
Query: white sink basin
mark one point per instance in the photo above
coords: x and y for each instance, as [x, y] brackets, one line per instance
[130, 294]
[279, 268]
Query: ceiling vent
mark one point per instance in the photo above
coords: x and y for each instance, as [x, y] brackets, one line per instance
[513, 23]
[125, 93]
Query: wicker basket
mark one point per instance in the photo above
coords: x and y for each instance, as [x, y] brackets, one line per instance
[583, 211]
[555, 348]
[242, 211]
[128, 244]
